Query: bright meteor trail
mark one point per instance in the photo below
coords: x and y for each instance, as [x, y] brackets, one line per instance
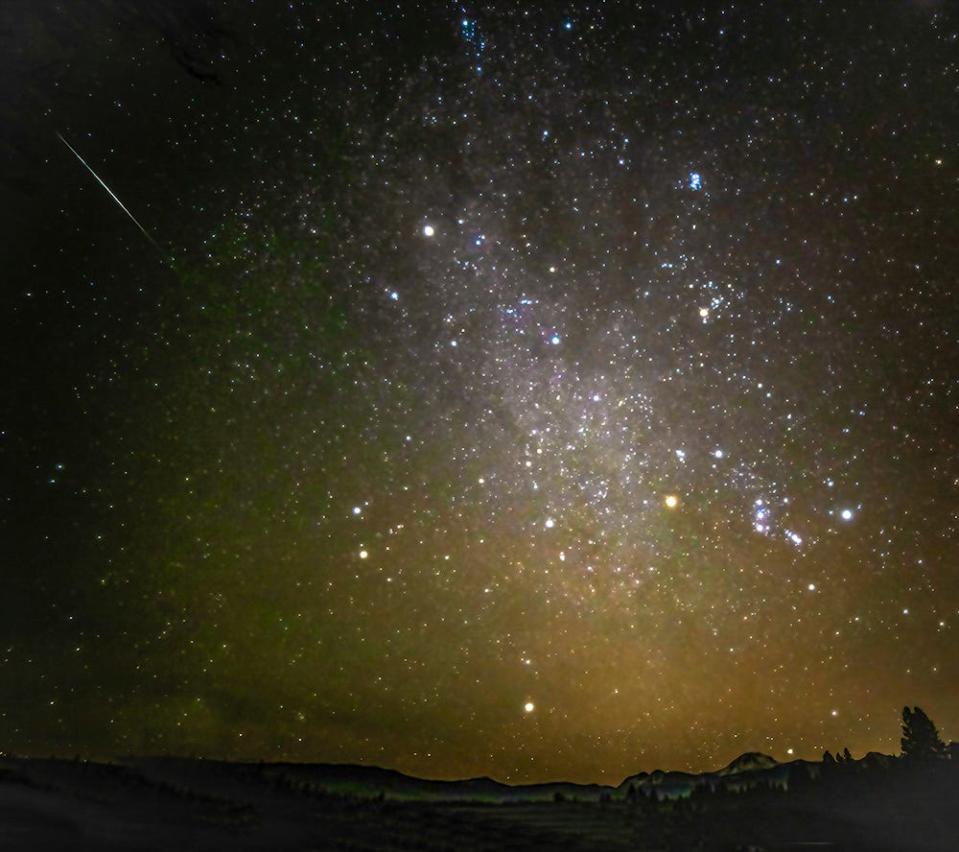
[112, 193]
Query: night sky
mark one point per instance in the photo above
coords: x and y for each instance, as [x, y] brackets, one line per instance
[526, 390]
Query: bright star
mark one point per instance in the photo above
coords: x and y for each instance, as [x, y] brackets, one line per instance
[672, 501]
[529, 707]
[428, 230]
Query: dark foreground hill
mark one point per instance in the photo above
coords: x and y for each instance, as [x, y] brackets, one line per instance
[878, 803]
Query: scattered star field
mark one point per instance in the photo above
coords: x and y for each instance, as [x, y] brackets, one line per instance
[522, 390]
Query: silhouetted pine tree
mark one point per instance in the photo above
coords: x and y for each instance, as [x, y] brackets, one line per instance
[846, 755]
[920, 739]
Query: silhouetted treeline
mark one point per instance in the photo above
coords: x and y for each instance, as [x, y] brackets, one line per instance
[875, 802]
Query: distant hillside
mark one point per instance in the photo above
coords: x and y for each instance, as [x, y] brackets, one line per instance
[749, 762]
[750, 769]
[355, 780]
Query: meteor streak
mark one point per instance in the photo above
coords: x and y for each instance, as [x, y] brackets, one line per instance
[133, 219]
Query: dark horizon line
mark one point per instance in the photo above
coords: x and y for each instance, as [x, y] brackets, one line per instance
[119, 760]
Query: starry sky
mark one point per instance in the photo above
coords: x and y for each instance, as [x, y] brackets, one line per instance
[514, 389]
